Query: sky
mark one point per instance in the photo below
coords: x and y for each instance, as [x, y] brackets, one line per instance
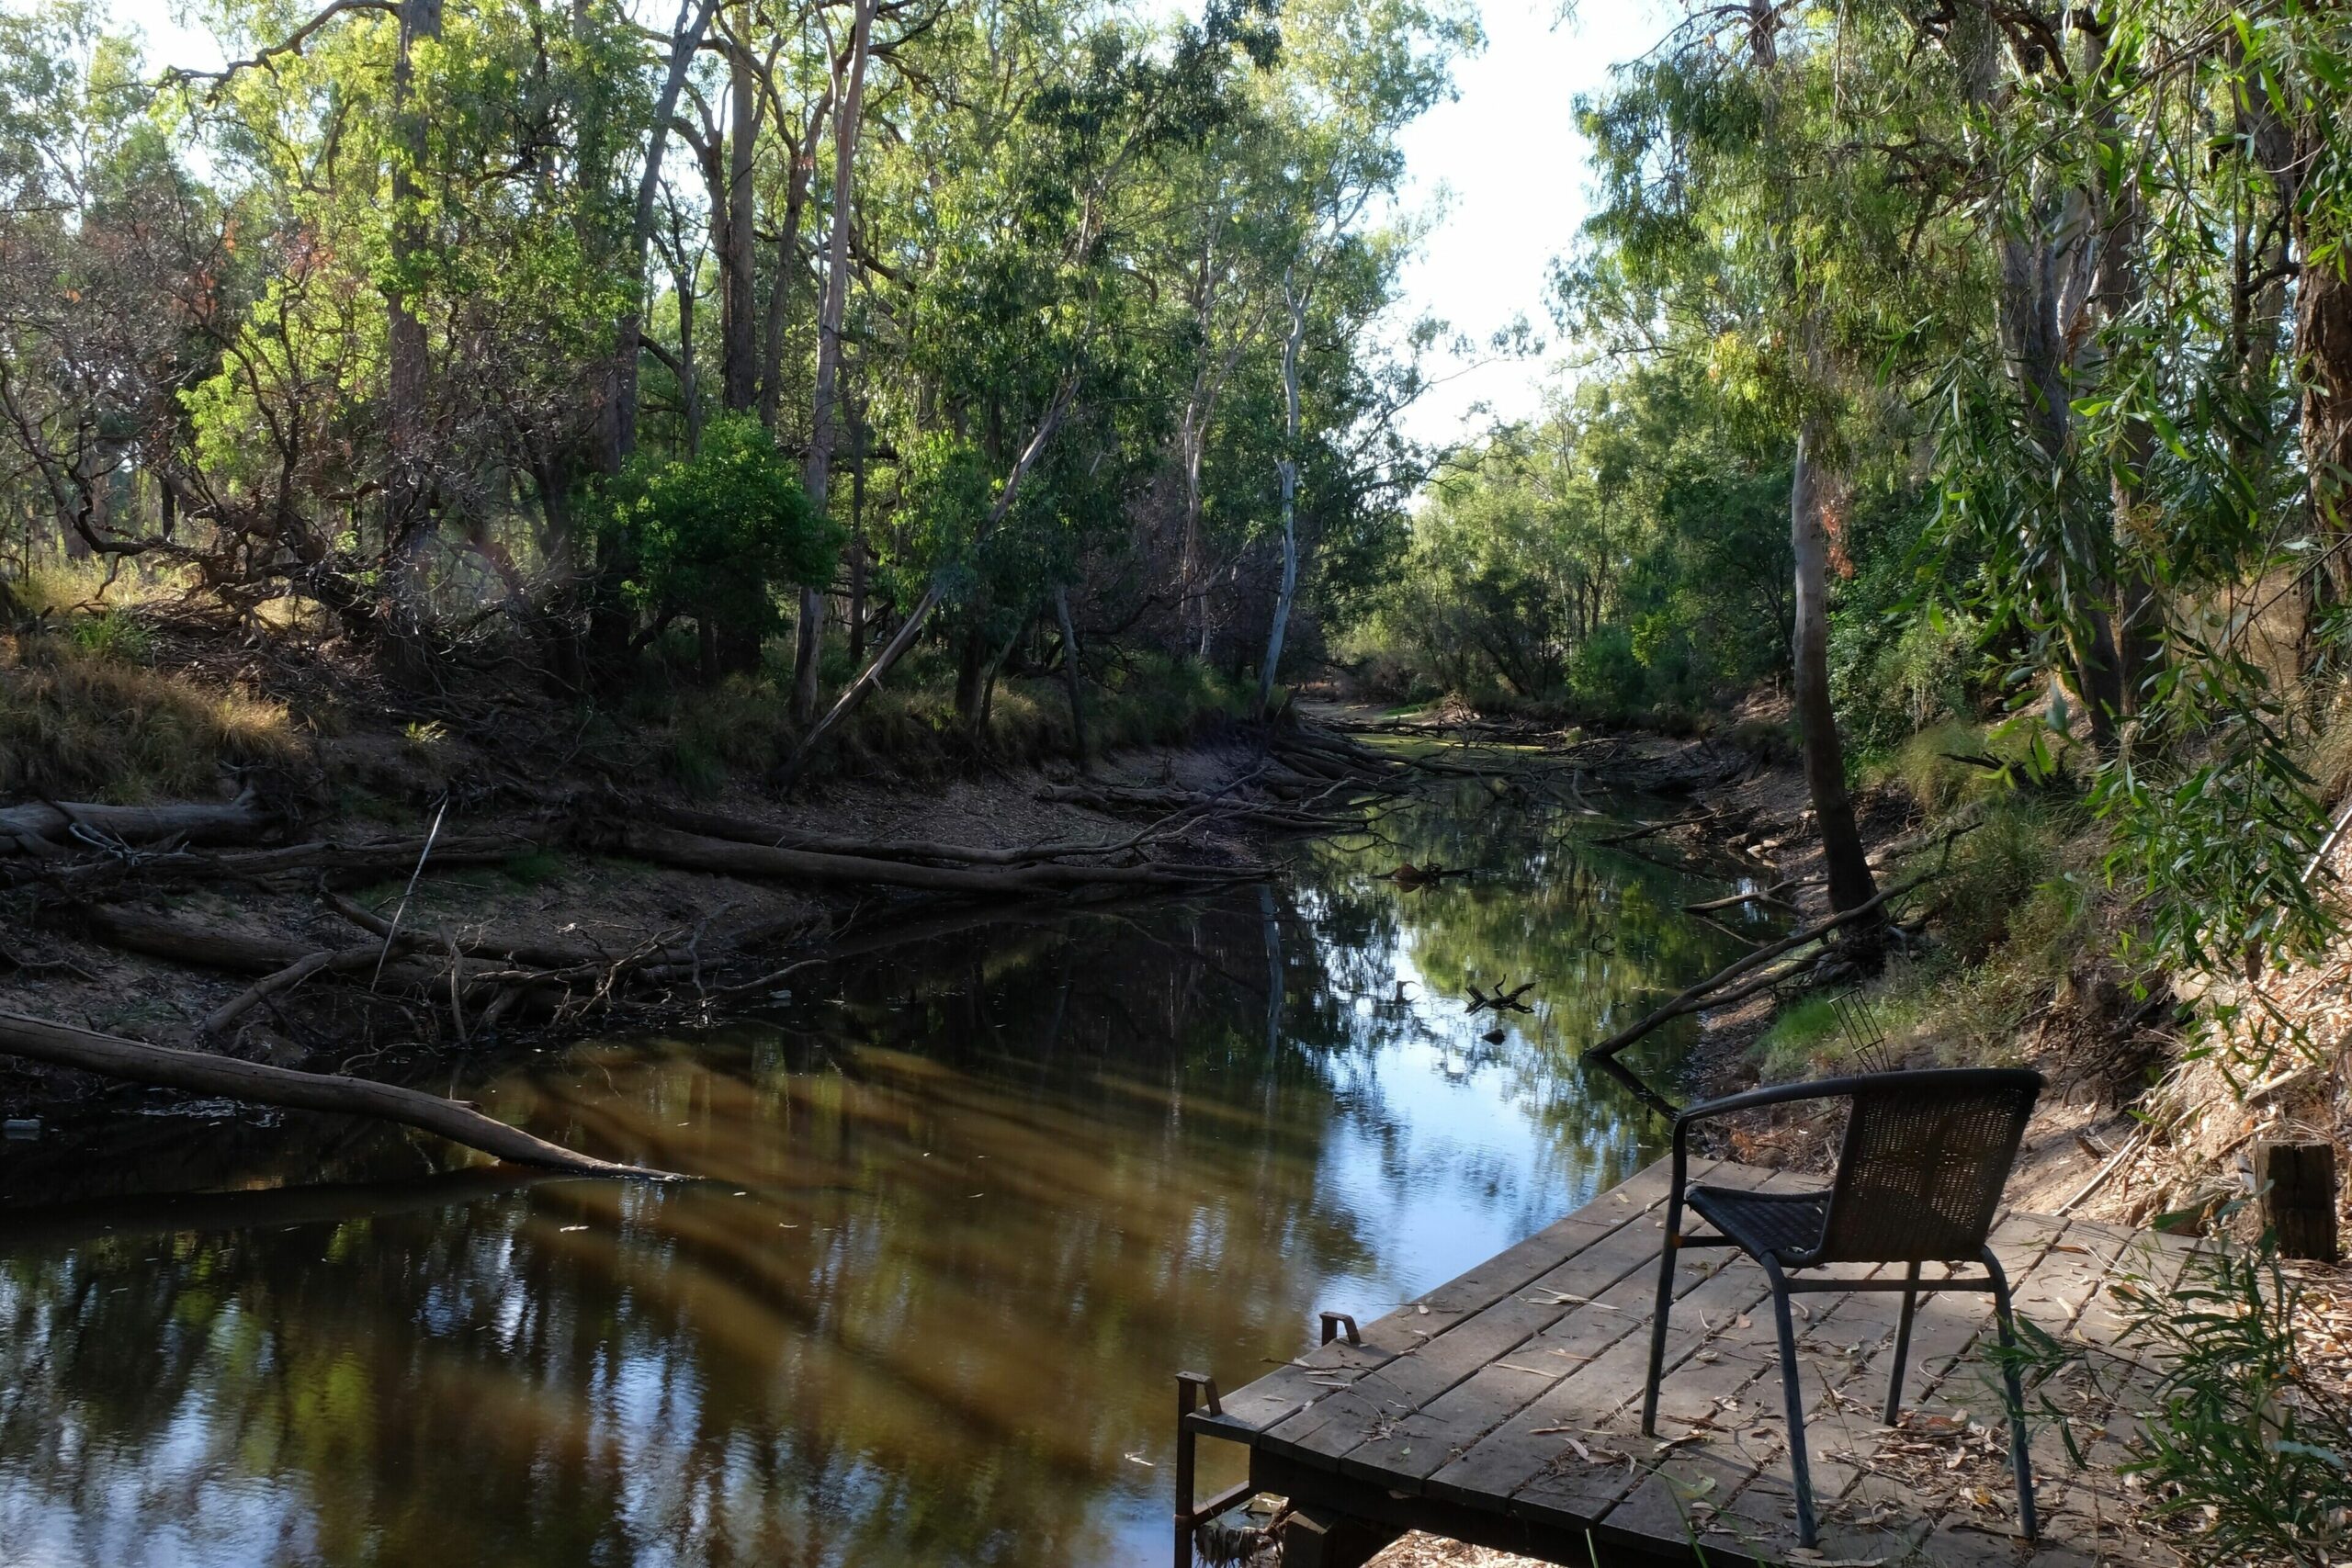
[1503, 165]
[1506, 162]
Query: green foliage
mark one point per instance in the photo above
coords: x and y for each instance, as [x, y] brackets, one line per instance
[1625, 556]
[718, 531]
[2236, 1431]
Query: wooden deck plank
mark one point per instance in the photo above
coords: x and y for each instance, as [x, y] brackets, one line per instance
[1507, 1402]
[1322, 1432]
[1271, 1400]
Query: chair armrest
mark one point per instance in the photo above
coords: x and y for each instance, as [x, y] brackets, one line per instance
[1775, 1094]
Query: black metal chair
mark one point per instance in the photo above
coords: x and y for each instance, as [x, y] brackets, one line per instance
[1919, 1178]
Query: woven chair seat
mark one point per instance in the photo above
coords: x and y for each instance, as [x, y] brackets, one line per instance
[1786, 1225]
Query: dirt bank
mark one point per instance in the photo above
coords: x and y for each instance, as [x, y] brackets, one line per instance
[117, 956]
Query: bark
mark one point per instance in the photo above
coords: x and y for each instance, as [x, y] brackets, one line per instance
[1850, 884]
[751, 830]
[1709, 992]
[342, 863]
[824, 413]
[2039, 266]
[1074, 677]
[857, 541]
[1287, 472]
[787, 259]
[682, 283]
[195, 1072]
[2323, 345]
[2138, 645]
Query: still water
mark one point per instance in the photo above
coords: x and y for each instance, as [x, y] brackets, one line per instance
[977, 1196]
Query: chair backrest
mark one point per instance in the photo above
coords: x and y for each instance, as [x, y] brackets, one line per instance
[1925, 1158]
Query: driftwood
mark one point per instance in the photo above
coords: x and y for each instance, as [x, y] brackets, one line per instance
[692, 851]
[1710, 991]
[54, 824]
[195, 1072]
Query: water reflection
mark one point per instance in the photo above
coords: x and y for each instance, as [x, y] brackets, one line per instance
[975, 1199]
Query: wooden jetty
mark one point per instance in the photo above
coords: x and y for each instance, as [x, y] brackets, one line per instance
[1503, 1409]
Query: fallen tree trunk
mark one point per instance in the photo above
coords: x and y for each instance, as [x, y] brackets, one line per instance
[1702, 995]
[134, 1060]
[749, 830]
[202, 824]
[692, 852]
[357, 862]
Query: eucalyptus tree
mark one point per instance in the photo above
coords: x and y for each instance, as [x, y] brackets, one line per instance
[1749, 221]
[1040, 136]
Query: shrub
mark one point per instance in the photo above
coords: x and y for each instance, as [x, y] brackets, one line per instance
[2236, 1428]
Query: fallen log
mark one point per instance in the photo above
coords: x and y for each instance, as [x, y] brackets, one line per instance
[55, 821]
[1702, 994]
[134, 1060]
[1165, 802]
[692, 851]
[356, 862]
[751, 830]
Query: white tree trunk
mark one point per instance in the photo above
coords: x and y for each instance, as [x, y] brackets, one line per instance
[1287, 469]
[825, 425]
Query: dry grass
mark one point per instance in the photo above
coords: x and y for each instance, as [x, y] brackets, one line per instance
[81, 720]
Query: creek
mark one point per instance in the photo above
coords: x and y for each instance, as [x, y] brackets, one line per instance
[975, 1198]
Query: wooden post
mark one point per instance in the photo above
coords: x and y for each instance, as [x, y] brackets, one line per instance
[2298, 1186]
[1320, 1538]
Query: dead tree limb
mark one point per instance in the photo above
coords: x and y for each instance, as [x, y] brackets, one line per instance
[195, 1072]
[1702, 995]
[691, 852]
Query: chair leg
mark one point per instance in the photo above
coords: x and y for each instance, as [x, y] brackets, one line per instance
[1798, 1467]
[1666, 1256]
[1901, 1347]
[2020, 1457]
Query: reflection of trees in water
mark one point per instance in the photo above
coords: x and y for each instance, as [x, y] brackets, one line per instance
[859, 1361]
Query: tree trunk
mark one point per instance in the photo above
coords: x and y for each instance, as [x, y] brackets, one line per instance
[1287, 471]
[787, 259]
[2122, 288]
[408, 498]
[1849, 871]
[2323, 343]
[824, 420]
[919, 612]
[738, 311]
[1074, 677]
[616, 411]
[971, 670]
[857, 543]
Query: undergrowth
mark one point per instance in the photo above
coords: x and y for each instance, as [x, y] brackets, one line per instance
[2010, 914]
[909, 728]
[81, 718]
